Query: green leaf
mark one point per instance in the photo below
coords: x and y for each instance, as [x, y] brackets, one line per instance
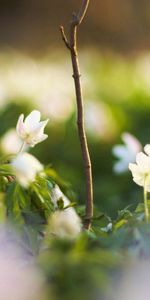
[72, 204]
[120, 224]
[14, 201]
[140, 207]
[124, 214]
[6, 158]
[5, 170]
[55, 178]
[60, 203]
[41, 199]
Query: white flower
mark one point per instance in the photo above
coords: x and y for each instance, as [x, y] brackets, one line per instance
[147, 149]
[57, 194]
[126, 153]
[141, 170]
[31, 130]
[10, 142]
[65, 223]
[25, 167]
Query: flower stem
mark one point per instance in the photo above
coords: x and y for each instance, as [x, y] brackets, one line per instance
[146, 203]
[22, 147]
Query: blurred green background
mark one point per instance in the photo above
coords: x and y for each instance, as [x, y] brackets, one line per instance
[36, 73]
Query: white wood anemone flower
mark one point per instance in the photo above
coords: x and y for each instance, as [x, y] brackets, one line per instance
[26, 167]
[141, 175]
[31, 130]
[125, 153]
[56, 195]
[141, 169]
[64, 223]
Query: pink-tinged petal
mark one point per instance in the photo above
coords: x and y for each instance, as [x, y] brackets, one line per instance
[32, 120]
[147, 149]
[20, 128]
[131, 142]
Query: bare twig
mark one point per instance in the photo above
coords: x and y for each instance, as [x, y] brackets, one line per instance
[64, 38]
[71, 44]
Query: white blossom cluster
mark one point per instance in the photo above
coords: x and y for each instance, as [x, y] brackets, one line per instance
[29, 132]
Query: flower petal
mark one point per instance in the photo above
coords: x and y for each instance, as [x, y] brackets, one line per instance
[139, 180]
[32, 141]
[147, 149]
[40, 128]
[42, 138]
[120, 166]
[138, 177]
[120, 151]
[32, 120]
[143, 161]
[20, 127]
[131, 142]
[133, 168]
[25, 167]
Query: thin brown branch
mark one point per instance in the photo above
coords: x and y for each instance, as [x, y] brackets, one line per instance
[82, 11]
[72, 46]
[64, 38]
